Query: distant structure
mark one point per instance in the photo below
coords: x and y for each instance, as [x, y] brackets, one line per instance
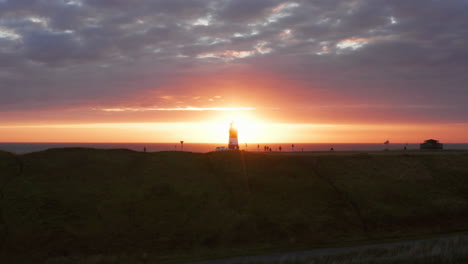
[386, 143]
[221, 149]
[233, 142]
[431, 144]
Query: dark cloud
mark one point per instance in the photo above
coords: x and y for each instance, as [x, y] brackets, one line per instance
[72, 52]
[245, 11]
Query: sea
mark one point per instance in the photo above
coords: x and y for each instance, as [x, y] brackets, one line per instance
[21, 148]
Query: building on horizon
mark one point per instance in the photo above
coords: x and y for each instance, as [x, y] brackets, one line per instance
[233, 141]
[431, 144]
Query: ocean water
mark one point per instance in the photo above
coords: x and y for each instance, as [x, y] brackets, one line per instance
[21, 148]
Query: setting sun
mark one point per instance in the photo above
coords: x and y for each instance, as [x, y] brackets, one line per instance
[246, 122]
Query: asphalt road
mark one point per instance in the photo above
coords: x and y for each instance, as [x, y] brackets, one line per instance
[411, 247]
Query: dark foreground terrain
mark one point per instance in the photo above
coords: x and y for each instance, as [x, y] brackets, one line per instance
[121, 206]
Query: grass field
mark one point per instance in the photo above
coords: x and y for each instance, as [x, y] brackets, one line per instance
[120, 206]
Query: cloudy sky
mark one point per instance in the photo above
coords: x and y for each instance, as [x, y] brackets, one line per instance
[308, 70]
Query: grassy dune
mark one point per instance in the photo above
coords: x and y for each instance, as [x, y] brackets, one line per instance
[121, 206]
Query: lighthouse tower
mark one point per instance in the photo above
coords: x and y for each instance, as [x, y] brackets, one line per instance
[233, 142]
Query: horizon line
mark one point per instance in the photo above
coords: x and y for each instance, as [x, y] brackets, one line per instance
[242, 143]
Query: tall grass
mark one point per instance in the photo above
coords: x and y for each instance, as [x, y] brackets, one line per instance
[62, 203]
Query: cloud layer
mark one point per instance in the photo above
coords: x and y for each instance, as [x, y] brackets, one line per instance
[333, 60]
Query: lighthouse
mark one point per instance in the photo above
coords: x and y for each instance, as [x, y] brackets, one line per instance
[233, 142]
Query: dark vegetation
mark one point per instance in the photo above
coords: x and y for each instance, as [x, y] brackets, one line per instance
[67, 204]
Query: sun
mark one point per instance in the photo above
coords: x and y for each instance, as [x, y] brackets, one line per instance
[248, 125]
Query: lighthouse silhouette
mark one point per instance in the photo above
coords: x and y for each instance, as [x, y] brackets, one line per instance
[233, 142]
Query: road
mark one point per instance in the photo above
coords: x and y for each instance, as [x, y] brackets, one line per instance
[455, 244]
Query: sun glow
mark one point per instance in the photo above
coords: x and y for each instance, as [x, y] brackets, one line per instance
[249, 126]
[252, 130]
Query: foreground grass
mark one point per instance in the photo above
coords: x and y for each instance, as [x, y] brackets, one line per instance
[121, 206]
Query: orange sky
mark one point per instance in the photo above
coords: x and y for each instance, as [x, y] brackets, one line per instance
[249, 132]
[301, 71]
[261, 108]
